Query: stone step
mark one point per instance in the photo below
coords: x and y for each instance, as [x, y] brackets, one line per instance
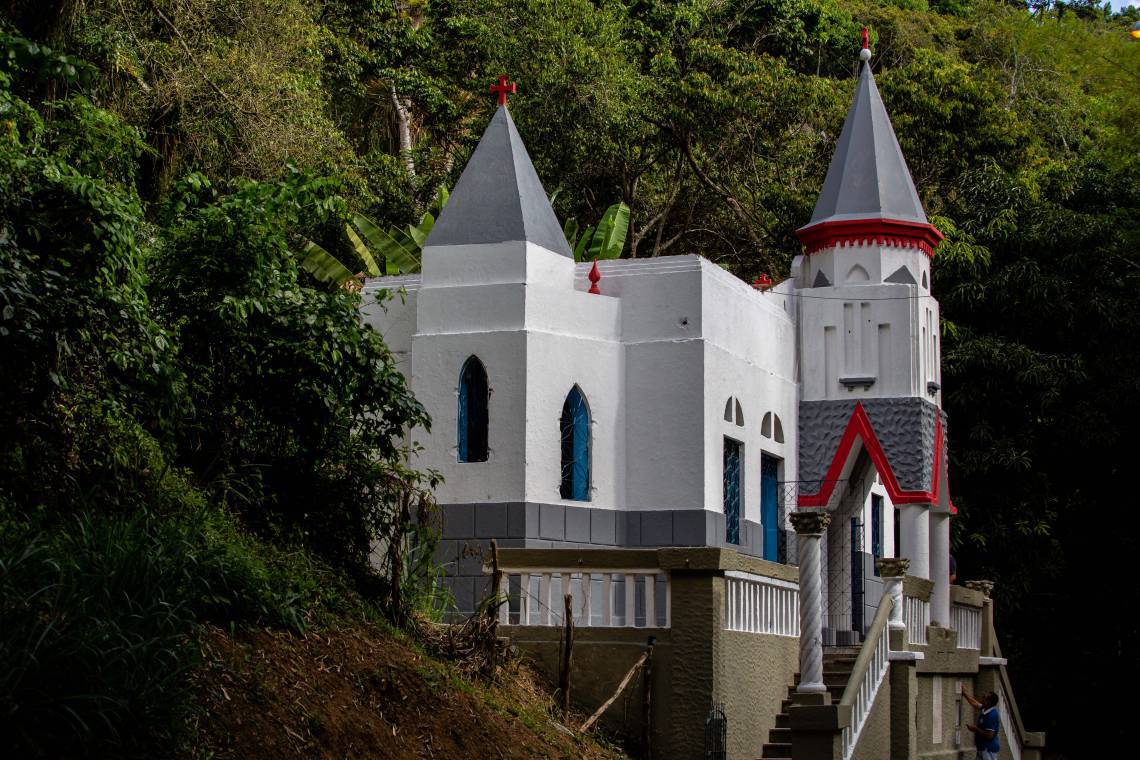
[780, 736]
[777, 750]
[782, 720]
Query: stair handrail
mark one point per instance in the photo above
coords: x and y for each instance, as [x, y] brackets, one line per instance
[867, 675]
[1024, 737]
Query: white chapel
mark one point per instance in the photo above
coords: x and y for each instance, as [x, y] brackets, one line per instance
[669, 403]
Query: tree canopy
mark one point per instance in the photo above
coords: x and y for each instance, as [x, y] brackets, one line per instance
[162, 160]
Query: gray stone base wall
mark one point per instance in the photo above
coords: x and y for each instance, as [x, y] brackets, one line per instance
[468, 529]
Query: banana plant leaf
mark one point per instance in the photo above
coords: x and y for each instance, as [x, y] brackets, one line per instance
[362, 251]
[609, 238]
[323, 265]
[582, 246]
[570, 230]
[420, 232]
[399, 250]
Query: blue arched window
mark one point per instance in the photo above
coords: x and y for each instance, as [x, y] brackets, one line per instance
[472, 426]
[574, 426]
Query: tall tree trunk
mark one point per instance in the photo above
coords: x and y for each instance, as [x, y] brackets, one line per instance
[403, 126]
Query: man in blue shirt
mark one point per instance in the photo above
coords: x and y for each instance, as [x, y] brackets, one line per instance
[986, 729]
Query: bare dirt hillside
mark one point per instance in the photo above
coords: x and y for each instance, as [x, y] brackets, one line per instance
[364, 692]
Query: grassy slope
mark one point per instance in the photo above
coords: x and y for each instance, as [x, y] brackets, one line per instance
[360, 690]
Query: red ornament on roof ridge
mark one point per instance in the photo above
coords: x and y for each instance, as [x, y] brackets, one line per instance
[595, 275]
[763, 282]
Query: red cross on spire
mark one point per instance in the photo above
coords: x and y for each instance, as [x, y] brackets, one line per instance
[502, 88]
[866, 40]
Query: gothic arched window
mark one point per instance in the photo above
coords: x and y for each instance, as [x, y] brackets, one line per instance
[574, 426]
[473, 395]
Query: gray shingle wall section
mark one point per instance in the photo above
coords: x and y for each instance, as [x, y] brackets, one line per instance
[904, 427]
[868, 176]
[499, 197]
[821, 426]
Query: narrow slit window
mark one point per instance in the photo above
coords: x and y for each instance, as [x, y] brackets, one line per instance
[876, 528]
[473, 397]
[732, 491]
[574, 426]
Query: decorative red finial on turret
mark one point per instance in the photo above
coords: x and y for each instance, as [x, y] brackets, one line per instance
[502, 88]
[866, 39]
[763, 282]
[595, 275]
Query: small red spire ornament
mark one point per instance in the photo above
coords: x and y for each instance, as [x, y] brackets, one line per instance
[865, 53]
[763, 282]
[595, 275]
[502, 88]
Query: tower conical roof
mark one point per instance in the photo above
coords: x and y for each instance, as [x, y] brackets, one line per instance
[868, 190]
[499, 197]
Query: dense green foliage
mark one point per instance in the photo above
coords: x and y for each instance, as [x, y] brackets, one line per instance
[165, 353]
[193, 428]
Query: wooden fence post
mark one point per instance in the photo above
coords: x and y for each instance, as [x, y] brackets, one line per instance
[567, 652]
[647, 704]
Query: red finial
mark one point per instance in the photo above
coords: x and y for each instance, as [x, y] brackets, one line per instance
[763, 282]
[502, 88]
[866, 39]
[594, 277]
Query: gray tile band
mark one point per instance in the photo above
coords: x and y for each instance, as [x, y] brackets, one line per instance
[469, 528]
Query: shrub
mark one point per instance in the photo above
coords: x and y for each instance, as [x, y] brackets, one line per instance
[95, 642]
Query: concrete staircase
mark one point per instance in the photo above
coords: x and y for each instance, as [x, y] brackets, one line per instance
[837, 666]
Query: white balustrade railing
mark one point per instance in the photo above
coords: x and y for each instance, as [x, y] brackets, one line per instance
[759, 604]
[916, 612]
[967, 621]
[1009, 737]
[632, 598]
[870, 669]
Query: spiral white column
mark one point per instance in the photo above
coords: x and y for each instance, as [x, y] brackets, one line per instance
[810, 526]
[892, 570]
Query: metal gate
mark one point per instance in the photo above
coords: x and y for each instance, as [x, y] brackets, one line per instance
[716, 734]
[845, 593]
[857, 591]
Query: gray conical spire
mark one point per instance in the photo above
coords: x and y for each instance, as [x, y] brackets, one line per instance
[499, 197]
[868, 177]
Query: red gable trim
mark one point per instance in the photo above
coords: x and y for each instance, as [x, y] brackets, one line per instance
[860, 426]
[879, 230]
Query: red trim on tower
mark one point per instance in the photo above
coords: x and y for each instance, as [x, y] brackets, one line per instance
[879, 230]
[860, 426]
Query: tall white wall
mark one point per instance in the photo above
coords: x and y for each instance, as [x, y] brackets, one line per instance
[750, 350]
[573, 338]
[657, 355]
